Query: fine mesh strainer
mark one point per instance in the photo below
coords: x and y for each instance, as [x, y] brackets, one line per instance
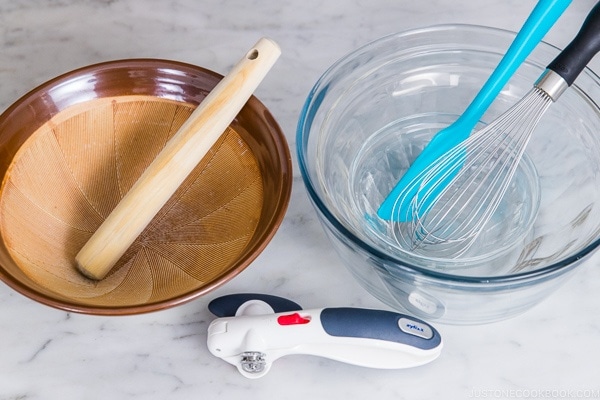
[72, 148]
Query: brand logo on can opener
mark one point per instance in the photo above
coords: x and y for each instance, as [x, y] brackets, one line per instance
[415, 327]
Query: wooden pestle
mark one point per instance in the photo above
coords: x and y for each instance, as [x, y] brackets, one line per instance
[175, 162]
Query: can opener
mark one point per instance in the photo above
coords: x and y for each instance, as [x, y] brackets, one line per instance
[254, 330]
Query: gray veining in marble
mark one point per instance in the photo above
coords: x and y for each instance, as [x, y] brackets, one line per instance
[50, 354]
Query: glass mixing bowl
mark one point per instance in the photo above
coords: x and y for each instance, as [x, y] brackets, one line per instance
[371, 114]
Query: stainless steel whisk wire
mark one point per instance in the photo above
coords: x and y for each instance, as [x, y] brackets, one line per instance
[468, 181]
[452, 201]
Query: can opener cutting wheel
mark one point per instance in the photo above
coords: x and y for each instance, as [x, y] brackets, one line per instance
[253, 330]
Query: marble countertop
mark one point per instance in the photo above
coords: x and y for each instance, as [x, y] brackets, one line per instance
[552, 350]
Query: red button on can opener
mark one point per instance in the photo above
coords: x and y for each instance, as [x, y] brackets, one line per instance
[253, 330]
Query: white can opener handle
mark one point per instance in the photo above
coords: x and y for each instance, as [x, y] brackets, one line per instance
[257, 336]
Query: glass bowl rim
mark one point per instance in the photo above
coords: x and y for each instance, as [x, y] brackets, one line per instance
[560, 266]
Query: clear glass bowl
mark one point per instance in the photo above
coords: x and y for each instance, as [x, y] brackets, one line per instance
[373, 111]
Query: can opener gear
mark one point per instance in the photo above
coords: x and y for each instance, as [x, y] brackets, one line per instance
[254, 330]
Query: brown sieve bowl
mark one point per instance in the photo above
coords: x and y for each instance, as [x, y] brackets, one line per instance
[70, 150]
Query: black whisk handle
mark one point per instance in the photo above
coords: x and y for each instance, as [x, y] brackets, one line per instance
[573, 59]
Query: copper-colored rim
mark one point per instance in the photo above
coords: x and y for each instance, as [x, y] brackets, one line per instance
[37, 106]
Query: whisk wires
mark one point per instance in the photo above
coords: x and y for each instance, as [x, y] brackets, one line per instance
[459, 193]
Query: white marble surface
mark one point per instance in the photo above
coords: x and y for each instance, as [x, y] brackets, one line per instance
[552, 350]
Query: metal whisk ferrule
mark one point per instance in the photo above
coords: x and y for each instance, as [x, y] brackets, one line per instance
[552, 84]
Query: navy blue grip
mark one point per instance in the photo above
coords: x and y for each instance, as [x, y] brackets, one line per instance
[226, 306]
[374, 324]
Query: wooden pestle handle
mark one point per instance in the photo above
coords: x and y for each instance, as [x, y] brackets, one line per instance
[175, 162]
